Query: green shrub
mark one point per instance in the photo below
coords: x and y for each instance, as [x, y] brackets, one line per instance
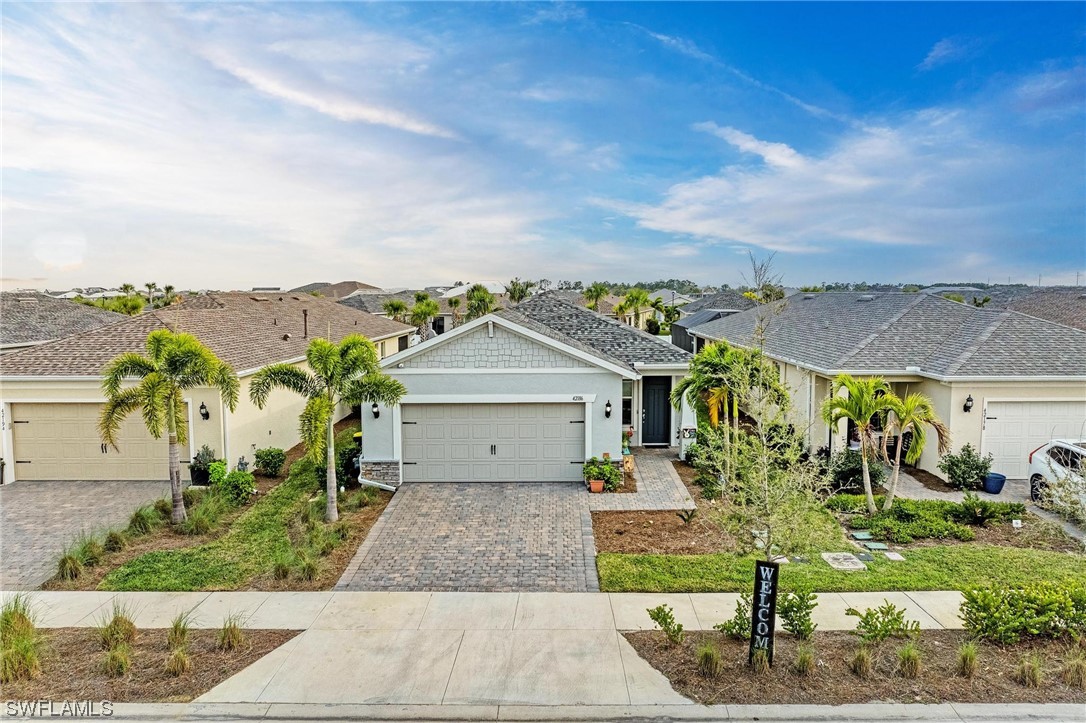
[1007, 615]
[236, 487]
[322, 540]
[805, 660]
[69, 566]
[908, 660]
[975, 511]
[846, 472]
[117, 661]
[664, 618]
[710, 664]
[967, 469]
[876, 625]
[795, 609]
[967, 659]
[116, 541]
[739, 626]
[89, 550]
[164, 509]
[143, 521]
[216, 472]
[270, 461]
[596, 468]
[908, 520]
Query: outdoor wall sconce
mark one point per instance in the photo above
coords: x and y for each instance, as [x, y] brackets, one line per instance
[204, 414]
[607, 409]
[968, 403]
[376, 411]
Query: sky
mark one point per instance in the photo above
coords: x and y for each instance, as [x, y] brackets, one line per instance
[234, 145]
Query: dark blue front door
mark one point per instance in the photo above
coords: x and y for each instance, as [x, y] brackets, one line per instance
[656, 410]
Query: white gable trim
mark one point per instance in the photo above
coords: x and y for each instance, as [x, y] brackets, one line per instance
[391, 363]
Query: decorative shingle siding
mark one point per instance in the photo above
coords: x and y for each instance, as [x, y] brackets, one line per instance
[505, 350]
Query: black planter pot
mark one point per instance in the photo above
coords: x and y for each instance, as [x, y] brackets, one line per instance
[199, 476]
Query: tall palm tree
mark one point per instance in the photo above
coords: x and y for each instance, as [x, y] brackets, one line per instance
[480, 301]
[595, 293]
[867, 399]
[167, 295]
[421, 296]
[151, 287]
[518, 290]
[633, 303]
[347, 372]
[657, 304]
[454, 306]
[396, 310]
[422, 313]
[127, 289]
[915, 413]
[173, 363]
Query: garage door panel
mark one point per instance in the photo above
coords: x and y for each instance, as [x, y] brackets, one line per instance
[499, 442]
[1014, 429]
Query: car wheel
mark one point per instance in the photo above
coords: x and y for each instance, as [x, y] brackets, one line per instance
[1036, 484]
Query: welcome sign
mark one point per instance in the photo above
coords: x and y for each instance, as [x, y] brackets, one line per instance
[764, 611]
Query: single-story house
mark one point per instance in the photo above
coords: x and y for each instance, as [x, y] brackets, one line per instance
[335, 291]
[671, 298]
[607, 306]
[525, 394]
[1000, 380]
[728, 300]
[28, 318]
[374, 303]
[51, 394]
[1062, 304]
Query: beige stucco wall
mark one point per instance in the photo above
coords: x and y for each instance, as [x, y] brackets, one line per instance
[249, 428]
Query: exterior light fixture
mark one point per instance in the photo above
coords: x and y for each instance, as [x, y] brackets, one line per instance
[204, 414]
[376, 410]
[607, 409]
[968, 404]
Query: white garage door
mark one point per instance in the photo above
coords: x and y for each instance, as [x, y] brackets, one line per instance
[493, 442]
[60, 442]
[1014, 429]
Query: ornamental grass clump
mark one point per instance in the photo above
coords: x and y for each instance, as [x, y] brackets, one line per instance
[178, 662]
[805, 661]
[117, 661]
[143, 521]
[231, 637]
[116, 541]
[967, 659]
[89, 550]
[908, 660]
[863, 663]
[710, 664]
[20, 644]
[178, 635]
[1074, 672]
[117, 629]
[760, 662]
[69, 566]
[1030, 672]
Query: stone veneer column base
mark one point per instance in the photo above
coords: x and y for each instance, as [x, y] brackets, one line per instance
[387, 471]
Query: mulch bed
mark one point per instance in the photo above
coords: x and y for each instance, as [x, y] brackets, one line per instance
[833, 683]
[662, 532]
[71, 664]
[932, 482]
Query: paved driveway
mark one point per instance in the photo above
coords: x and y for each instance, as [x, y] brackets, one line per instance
[492, 537]
[38, 519]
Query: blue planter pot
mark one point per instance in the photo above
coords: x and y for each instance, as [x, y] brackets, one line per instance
[993, 483]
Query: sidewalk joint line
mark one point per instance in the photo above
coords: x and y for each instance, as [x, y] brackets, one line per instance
[452, 668]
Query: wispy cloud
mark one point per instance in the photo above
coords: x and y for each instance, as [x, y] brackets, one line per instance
[556, 12]
[950, 50]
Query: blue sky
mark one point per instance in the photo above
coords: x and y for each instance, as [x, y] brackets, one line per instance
[226, 146]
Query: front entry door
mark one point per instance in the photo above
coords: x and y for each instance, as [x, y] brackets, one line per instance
[656, 412]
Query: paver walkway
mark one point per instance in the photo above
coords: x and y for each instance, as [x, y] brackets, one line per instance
[39, 519]
[501, 537]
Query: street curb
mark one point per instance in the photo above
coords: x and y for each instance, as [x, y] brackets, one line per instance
[952, 713]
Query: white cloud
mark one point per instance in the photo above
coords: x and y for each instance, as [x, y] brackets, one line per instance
[949, 50]
[775, 154]
[556, 12]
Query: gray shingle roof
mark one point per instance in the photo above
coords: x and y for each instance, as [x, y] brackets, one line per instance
[32, 317]
[727, 300]
[374, 302]
[887, 332]
[619, 342]
[698, 318]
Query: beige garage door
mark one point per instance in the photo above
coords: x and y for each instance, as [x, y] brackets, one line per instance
[1014, 429]
[493, 442]
[60, 442]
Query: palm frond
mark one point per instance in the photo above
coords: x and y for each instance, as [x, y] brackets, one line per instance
[157, 341]
[117, 407]
[156, 392]
[313, 427]
[129, 365]
[374, 387]
[323, 358]
[358, 356]
[228, 384]
[281, 376]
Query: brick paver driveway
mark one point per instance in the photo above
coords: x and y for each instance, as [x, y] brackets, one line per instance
[38, 519]
[494, 537]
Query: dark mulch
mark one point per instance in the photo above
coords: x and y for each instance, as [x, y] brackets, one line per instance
[71, 665]
[929, 480]
[833, 683]
[662, 532]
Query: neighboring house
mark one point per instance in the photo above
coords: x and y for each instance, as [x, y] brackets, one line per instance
[525, 395]
[728, 300]
[28, 318]
[335, 291]
[1062, 304]
[703, 310]
[493, 287]
[607, 306]
[671, 298]
[51, 393]
[374, 303]
[1002, 381]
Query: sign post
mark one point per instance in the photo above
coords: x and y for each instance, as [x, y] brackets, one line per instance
[763, 613]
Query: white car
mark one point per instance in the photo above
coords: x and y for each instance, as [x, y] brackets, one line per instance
[1059, 459]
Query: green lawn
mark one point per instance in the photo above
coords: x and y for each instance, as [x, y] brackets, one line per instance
[248, 549]
[950, 567]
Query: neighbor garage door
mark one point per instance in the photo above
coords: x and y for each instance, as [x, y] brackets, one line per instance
[1013, 429]
[493, 442]
[60, 442]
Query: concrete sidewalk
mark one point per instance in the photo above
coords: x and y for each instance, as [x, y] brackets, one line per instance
[380, 610]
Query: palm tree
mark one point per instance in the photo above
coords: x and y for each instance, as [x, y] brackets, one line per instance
[127, 289]
[173, 363]
[480, 301]
[167, 295]
[396, 310]
[866, 400]
[347, 372]
[421, 296]
[632, 304]
[594, 293]
[913, 414]
[421, 315]
[518, 290]
[454, 306]
[151, 287]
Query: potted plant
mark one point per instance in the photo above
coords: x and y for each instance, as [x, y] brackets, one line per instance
[199, 468]
[594, 474]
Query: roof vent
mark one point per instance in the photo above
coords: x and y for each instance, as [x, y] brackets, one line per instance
[866, 297]
[28, 301]
[286, 337]
[808, 296]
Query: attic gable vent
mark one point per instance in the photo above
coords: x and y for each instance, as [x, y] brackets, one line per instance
[866, 297]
